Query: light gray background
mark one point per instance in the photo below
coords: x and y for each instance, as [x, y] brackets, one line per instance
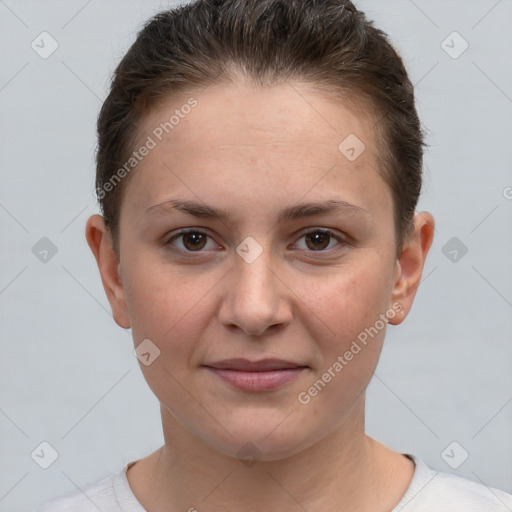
[68, 374]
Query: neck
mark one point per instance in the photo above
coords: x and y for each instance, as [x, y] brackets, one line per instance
[346, 470]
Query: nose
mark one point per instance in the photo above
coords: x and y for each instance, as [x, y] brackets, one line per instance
[256, 297]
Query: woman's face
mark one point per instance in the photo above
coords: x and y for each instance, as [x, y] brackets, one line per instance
[263, 274]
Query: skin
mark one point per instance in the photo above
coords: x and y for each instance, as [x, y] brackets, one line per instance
[254, 152]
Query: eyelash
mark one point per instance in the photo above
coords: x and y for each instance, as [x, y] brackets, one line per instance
[182, 232]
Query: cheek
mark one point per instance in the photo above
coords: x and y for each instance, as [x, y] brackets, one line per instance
[348, 330]
[349, 337]
[167, 309]
[167, 306]
[349, 300]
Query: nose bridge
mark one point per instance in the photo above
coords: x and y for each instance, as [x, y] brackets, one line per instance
[255, 297]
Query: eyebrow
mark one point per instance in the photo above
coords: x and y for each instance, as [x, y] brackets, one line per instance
[204, 211]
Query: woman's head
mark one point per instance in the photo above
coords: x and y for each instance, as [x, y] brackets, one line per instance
[326, 43]
[288, 174]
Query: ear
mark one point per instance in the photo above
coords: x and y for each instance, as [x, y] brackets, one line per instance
[100, 241]
[410, 264]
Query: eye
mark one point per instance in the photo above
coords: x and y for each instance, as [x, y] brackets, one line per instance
[320, 239]
[192, 240]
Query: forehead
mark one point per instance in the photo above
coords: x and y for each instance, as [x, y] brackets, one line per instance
[280, 141]
[231, 115]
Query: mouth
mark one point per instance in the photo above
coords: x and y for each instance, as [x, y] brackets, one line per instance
[245, 365]
[256, 376]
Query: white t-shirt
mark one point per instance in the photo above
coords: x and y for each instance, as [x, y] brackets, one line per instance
[429, 491]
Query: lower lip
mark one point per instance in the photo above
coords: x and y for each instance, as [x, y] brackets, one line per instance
[257, 381]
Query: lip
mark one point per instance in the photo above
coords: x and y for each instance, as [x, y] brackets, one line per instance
[263, 375]
[245, 365]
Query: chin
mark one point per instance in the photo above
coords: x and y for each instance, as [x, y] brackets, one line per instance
[263, 441]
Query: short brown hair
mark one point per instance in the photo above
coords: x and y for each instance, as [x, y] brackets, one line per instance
[324, 42]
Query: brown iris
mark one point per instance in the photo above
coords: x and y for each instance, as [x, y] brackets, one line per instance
[197, 240]
[318, 237]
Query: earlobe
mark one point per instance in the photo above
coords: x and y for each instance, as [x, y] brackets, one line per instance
[410, 264]
[100, 241]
